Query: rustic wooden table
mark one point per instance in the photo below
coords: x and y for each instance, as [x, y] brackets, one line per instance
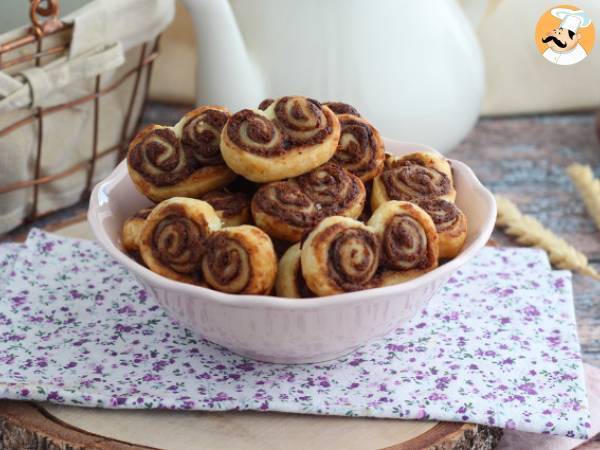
[523, 158]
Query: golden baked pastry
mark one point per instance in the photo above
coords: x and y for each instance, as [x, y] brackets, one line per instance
[183, 160]
[292, 136]
[287, 209]
[290, 281]
[360, 149]
[336, 191]
[283, 210]
[418, 175]
[233, 208]
[409, 240]
[239, 260]
[340, 255]
[172, 237]
[342, 108]
[450, 223]
[132, 229]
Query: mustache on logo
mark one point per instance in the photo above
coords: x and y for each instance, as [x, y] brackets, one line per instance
[556, 41]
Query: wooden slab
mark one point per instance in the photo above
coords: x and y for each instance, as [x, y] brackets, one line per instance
[48, 426]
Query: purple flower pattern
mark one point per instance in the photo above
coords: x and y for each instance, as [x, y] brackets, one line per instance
[497, 345]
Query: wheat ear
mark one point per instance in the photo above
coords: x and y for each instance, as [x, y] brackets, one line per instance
[529, 231]
[588, 188]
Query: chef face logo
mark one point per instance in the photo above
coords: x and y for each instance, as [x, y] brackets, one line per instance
[561, 40]
[565, 35]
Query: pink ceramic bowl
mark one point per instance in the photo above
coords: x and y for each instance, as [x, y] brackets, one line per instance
[283, 330]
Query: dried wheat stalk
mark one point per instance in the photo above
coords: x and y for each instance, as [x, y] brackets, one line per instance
[588, 187]
[529, 231]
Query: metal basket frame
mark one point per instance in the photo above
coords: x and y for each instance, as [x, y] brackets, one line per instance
[40, 29]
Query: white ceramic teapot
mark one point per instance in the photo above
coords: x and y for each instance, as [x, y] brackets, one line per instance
[413, 68]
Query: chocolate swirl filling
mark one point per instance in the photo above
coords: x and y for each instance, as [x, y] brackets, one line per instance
[357, 149]
[342, 108]
[265, 104]
[288, 202]
[444, 214]
[202, 136]
[404, 244]
[229, 204]
[415, 181]
[226, 263]
[353, 257]
[256, 134]
[303, 120]
[394, 163]
[331, 187]
[176, 241]
[160, 159]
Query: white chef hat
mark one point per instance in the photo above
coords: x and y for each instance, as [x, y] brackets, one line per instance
[571, 20]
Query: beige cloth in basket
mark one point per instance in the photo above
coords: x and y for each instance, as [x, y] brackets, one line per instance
[105, 41]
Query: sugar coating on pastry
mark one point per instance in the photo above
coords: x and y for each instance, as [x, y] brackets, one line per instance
[132, 229]
[172, 238]
[360, 149]
[184, 160]
[409, 240]
[413, 176]
[340, 255]
[290, 281]
[292, 136]
[288, 209]
[233, 208]
[239, 260]
[450, 223]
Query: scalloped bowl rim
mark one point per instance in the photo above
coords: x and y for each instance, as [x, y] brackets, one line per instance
[271, 301]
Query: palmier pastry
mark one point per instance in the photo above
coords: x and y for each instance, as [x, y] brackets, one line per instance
[336, 191]
[450, 223]
[409, 240]
[173, 237]
[184, 160]
[290, 281]
[340, 255]
[233, 208]
[342, 108]
[360, 149]
[414, 176]
[291, 137]
[239, 260]
[283, 210]
[287, 209]
[132, 230]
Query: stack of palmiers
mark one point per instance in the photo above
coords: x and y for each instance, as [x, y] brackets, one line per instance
[306, 181]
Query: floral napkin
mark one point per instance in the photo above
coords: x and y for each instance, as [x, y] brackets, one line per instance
[497, 345]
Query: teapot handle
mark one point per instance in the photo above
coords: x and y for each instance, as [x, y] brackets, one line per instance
[226, 74]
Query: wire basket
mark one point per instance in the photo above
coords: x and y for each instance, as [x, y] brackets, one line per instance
[67, 149]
